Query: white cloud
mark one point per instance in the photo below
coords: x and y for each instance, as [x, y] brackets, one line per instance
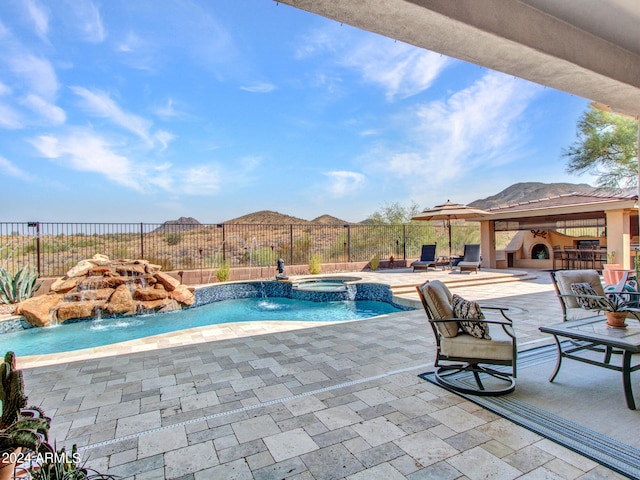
[8, 168]
[37, 73]
[343, 183]
[88, 21]
[402, 70]
[100, 104]
[50, 112]
[164, 138]
[85, 151]
[480, 125]
[259, 87]
[39, 16]
[10, 118]
[200, 180]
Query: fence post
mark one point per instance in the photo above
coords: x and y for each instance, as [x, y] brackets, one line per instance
[349, 243]
[39, 262]
[404, 241]
[141, 240]
[290, 244]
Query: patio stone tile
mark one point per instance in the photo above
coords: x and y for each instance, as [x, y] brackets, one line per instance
[236, 470]
[437, 471]
[273, 392]
[332, 437]
[379, 472]
[137, 423]
[563, 469]
[477, 463]
[124, 409]
[287, 469]
[338, 417]
[426, 448]
[382, 453]
[565, 454]
[193, 458]
[510, 434]
[457, 419]
[468, 439]
[497, 448]
[542, 473]
[242, 451]
[198, 401]
[332, 462]
[247, 383]
[161, 441]
[135, 468]
[260, 460]
[292, 443]
[528, 459]
[303, 405]
[254, 428]
[378, 431]
[405, 465]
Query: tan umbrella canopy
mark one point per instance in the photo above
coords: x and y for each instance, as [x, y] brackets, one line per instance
[450, 211]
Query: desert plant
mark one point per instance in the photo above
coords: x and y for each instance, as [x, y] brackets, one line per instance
[173, 238]
[611, 256]
[375, 262]
[22, 285]
[222, 274]
[63, 465]
[315, 266]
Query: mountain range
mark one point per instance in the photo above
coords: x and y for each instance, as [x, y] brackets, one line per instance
[516, 193]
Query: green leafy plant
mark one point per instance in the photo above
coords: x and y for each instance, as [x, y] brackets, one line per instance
[222, 274]
[315, 266]
[611, 257]
[22, 285]
[375, 262]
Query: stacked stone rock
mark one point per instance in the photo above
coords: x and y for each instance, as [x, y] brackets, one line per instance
[101, 286]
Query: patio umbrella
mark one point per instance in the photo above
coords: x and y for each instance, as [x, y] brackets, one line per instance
[450, 211]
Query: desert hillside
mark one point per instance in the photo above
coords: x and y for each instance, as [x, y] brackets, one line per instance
[528, 191]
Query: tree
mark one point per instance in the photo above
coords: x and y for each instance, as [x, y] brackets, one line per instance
[607, 146]
[394, 213]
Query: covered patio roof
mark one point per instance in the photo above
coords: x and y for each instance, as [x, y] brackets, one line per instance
[589, 48]
[543, 213]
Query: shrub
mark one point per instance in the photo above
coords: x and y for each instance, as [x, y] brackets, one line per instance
[173, 238]
[23, 285]
[375, 262]
[315, 266]
[222, 274]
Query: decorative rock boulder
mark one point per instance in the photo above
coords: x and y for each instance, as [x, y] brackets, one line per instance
[119, 287]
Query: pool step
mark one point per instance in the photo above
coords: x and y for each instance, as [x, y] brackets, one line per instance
[467, 281]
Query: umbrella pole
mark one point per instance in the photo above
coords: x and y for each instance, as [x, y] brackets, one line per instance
[449, 231]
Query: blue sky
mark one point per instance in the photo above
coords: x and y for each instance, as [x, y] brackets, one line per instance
[148, 110]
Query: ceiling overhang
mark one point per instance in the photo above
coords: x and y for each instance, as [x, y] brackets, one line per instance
[589, 48]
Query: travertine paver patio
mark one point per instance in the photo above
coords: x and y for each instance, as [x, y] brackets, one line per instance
[332, 401]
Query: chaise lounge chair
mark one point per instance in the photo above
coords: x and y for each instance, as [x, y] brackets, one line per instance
[471, 259]
[427, 258]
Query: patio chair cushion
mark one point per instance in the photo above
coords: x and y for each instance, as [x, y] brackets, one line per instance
[500, 347]
[585, 288]
[438, 298]
[467, 309]
[565, 278]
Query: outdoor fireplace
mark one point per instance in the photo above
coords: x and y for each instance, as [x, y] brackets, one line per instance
[540, 252]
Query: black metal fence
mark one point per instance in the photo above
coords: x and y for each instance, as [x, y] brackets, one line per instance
[53, 248]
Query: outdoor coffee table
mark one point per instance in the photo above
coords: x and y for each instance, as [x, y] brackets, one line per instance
[593, 332]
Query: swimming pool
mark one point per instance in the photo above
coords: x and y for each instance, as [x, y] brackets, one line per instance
[229, 303]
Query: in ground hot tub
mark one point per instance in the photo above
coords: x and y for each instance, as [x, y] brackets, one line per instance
[325, 284]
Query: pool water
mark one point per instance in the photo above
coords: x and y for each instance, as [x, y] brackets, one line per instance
[99, 332]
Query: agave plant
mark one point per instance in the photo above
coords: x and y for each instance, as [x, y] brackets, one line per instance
[22, 285]
[64, 466]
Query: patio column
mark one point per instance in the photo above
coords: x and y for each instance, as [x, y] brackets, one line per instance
[488, 244]
[619, 236]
